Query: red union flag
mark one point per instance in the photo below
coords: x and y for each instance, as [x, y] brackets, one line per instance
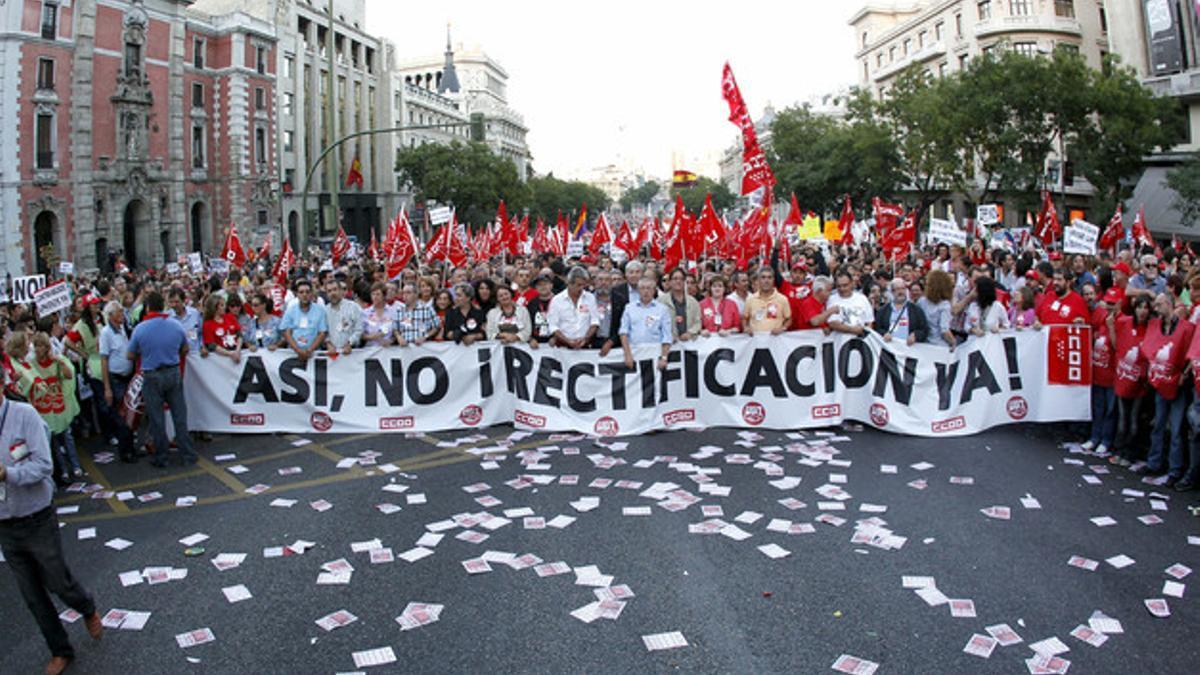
[756, 172]
[341, 245]
[233, 251]
[1069, 355]
[399, 245]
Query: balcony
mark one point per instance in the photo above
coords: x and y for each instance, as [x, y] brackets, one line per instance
[1184, 85]
[926, 53]
[1037, 23]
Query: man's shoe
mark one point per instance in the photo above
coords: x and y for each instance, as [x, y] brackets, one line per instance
[95, 627]
[1170, 482]
[1185, 485]
[1149, 471]
[1087, 445]
[57, 665]
[1102, 450]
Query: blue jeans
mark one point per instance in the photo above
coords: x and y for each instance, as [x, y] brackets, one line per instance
[1104, 416]
[1168, 418]
[1193, 472]
[63, 445]
[166, 386]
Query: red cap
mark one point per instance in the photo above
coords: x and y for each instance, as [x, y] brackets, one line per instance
[1123, 269]
[800, 266]
[90, 299]
[1032, 275]
[1113, 296]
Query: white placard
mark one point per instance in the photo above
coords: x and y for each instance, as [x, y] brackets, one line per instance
[196, 262]
[439, 215]
[53, 298]
[218, 265]
[987, 214]
[66, 268]
[575, 249]
[946, 232]
[24, 288]
[172, 268]
[1080, 237]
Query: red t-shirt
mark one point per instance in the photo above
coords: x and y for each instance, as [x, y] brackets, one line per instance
[1056, 310]
[222, 332]
[1193, 356]
[715, 318]
[1103, 364]
[1166, 356]
[802, 316]
[794, 292]
[1130, 367]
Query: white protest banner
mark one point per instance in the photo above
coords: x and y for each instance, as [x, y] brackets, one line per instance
[66, 268]
[800, 379]
[24, 288]
[987, 214]
[3, 294]
[1080, 237]
[439, 215]
[218, 265]
[575, 248]
[946, 232]
[196, 262]
[53, 298]
[172, 268]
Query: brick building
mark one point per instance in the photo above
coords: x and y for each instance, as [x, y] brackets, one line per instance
[138, 128]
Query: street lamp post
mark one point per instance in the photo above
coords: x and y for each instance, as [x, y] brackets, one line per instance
[312, 168]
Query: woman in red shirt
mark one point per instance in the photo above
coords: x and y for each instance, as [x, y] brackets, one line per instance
[221, 332]
[1129, 381]
[1192, 477]
[718, 314]
[1165, 350]
[1104, 398]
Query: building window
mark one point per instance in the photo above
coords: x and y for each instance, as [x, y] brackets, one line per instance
[1065, 8]
[262, 218]
[942, 69]
[197, 95]
[133, 60]
[289, 67]
[369, 59]
[260, 146]
[907, 46]
[289, 103]
[985, 9]
[864, 39]
[260, 60]
[289, 140]
[892, 54]
[1025, 48]
[879, 60]
[198, 53]
[49, 20]
[1020, 7]
[44, 140]
[1103, 21]
[958, 26]
[197, 147]
[922, 38]
[1068, 48]
[866, 70]
[939, 29]
[45, 74]
[963, 60]
[260, 98]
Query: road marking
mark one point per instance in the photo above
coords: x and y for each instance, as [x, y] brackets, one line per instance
[85, 459]
[221, 475]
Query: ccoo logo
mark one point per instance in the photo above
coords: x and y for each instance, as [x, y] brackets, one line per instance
[754, 413]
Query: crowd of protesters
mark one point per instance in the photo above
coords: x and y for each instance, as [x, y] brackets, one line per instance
[1142, 309]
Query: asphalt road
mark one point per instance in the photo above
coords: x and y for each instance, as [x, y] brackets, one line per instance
[739, 610]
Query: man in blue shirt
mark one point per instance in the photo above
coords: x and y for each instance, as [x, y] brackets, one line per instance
[29, 534]
[161, 344]
[187, 316]
[304, 324]
[646, 321]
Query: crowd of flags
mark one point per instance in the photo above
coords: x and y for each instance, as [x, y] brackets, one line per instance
[686, 238]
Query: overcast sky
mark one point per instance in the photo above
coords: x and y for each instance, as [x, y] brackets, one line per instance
[624, 82]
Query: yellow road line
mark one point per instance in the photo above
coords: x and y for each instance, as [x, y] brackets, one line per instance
[85, 460]
[221, 475]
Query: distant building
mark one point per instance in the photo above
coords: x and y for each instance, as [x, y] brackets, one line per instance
[1159, 40]
[478, 84]
[136, 128]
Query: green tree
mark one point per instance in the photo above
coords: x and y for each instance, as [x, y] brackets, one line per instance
[693, 197]
[820, 158]
[467, 176]
[640, 196]
[550, 196]
[1127, 123]
[1185, 181]
[930, 146]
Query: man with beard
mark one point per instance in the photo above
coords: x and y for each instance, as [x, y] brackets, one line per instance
[1060, 304]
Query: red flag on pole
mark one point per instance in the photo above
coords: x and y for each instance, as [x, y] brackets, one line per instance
[1115, 231]
[403, 245]
[602, 235]
[283, 264]
[885, 216]
[264, 252]
[355, 175]
[846, 223]
[1141, 234]
[756, 172]
[712, 230]
[232, 251]
[341, 245]
[1048, 228]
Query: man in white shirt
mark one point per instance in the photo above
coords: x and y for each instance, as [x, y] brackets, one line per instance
[854, 314]
[574, 317]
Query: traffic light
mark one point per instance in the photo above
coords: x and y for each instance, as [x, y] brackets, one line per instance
[478, 128]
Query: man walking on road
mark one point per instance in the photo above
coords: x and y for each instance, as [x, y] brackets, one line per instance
[161, 343]
[29, 534]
